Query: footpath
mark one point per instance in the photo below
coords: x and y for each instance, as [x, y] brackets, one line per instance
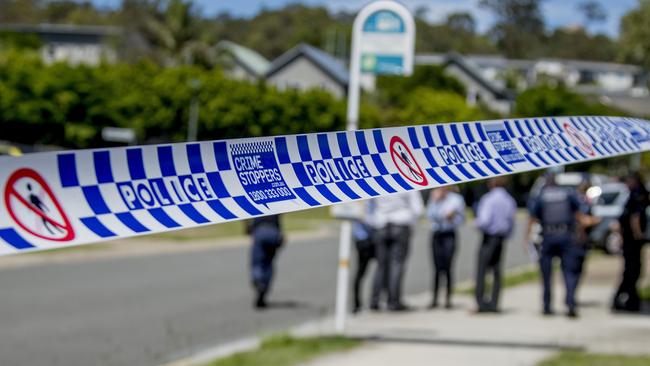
[518, 336]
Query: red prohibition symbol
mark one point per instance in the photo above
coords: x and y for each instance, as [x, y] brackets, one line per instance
[405, 162]
[32, 205]
[579, 139]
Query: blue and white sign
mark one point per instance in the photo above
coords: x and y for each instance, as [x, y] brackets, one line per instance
[384, 21]
[258, 172]
[383, 39]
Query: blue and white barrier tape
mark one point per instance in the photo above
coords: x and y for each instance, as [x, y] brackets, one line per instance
[61, 199]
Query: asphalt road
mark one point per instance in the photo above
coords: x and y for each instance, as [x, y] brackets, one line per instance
[146, 310]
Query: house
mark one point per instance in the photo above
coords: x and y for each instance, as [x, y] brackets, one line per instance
[619, 85]
[306, 67]
[479, 89]
[74, 44]
[608, 77]
[242, 62]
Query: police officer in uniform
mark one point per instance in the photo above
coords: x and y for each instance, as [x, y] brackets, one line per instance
[267, 240]
[557, 210]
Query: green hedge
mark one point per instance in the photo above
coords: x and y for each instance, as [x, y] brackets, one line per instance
[68, 105]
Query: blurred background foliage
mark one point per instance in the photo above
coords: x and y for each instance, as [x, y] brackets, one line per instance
[69, 105]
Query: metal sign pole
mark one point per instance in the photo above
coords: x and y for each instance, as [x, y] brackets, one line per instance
[345, 240]
[405, 55]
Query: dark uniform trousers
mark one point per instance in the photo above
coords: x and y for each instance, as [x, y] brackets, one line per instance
[489, 259]
[365, 253]
[443, 248]
[627, 295]
[391, 250]
[267, 240]
[562, 246]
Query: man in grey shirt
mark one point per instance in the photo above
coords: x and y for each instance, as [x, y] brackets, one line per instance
[495, 218]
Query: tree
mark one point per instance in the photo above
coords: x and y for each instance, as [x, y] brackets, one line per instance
[20, 11]
[421, 12]
[456, 34]
[520, 26]
[273, 32]
[593, 11]
[427, 106]
[174, 31]
[558, 101]
[397, 90]
[461, 22]
[635, 35]
[578, 44]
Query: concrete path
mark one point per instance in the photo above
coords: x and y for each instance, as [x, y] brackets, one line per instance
[519, 336]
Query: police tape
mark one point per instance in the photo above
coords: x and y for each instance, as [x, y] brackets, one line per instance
[62, 199]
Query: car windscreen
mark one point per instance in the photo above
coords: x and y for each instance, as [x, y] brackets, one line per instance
[608, 198]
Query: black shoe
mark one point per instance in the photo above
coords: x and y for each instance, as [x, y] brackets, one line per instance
[548, 312]
[398, 307]
[572, 314]
[260, 300]
[260, 304]
[433, 305]
[374, 307]
[356, 309]
[448, 306]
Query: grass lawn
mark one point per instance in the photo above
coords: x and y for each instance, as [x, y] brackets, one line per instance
[287, 351]
[591, 359]
[645, 293]
[295, 221]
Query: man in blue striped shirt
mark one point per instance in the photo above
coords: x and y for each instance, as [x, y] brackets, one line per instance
[495, 218]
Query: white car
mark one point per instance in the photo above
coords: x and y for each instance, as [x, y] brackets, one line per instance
[608, 204]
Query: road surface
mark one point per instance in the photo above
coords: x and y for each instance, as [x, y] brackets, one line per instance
[151, 309]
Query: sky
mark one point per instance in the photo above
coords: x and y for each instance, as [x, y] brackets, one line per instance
[558, 13]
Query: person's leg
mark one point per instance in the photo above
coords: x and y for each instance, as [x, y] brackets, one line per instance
[568, 259]
[268, 264]
[633, 271]
[261, 267]
[621, 296]
[581, 257]
[546, 267]
[256, 259]
[398, 253]
[381, 253]
[479, 290]
[495, 266]
[363, 258]
[450, 245]
[436, 264]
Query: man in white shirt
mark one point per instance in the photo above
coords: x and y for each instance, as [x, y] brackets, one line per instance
[393, 217]
[446, 211]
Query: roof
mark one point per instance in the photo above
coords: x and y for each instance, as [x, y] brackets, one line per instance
[501, 62]
[596, 66]
[330, 65]
[479, 60]
[68, 29]
[472, 72]
[637, 106]
[245, 57]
